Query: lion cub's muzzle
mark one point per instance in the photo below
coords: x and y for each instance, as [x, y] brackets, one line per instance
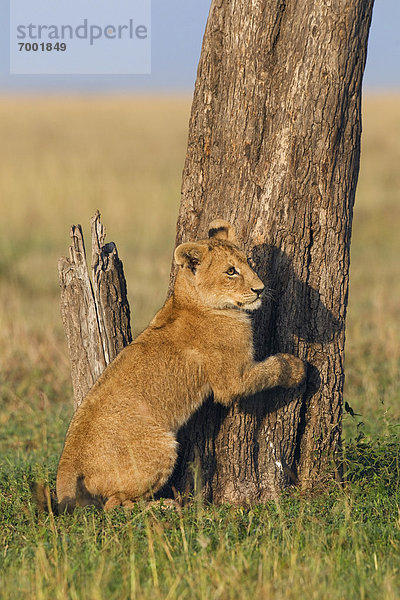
[259, 291]
[252, 301]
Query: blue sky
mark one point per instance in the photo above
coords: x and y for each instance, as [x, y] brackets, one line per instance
[177, 30]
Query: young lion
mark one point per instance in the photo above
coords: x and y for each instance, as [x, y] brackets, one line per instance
[121, 443]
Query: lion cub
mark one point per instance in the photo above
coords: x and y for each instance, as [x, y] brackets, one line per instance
[121, 443]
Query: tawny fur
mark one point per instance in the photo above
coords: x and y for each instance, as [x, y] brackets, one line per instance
[121, 443]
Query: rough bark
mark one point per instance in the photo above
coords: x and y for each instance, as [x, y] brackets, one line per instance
[110, 293]
[96, 316]
[274, 145]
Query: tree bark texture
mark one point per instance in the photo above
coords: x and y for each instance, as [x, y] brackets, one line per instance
[96, 316]
[274, 146]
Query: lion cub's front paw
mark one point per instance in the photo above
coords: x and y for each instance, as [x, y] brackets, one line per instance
[293, 370]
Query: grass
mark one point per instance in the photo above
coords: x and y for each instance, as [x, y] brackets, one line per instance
[343, 544]
[125, 156]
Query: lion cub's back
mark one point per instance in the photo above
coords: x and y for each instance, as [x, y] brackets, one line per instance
[145, 381]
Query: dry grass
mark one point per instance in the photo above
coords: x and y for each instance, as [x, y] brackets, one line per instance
[373, 326]
[63, 159]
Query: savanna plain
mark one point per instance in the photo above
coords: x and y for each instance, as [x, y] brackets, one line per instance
[60, 160]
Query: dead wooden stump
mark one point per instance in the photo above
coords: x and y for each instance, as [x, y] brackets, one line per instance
[95, 314]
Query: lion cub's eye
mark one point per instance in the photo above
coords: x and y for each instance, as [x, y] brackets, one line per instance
[231, 271]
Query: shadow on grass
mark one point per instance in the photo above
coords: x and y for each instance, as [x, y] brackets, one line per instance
[373, 463]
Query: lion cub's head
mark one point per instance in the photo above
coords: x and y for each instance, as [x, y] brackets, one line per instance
[216, 271]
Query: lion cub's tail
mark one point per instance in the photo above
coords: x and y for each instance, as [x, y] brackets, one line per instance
[45, 500]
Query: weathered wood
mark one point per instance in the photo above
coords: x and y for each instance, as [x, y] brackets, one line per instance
[78, 312]
[95, 317]
[110, 293]
[274, 145]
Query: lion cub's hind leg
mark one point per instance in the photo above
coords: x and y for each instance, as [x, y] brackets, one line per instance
[142, 473]
[118, 499]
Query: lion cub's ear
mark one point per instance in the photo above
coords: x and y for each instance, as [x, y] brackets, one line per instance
[222, 230]
[189, 255]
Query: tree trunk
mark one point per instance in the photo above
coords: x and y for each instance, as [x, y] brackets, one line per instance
[274, 146]
[96, 317]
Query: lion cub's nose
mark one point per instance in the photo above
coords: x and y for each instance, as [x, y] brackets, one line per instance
[258, 291]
